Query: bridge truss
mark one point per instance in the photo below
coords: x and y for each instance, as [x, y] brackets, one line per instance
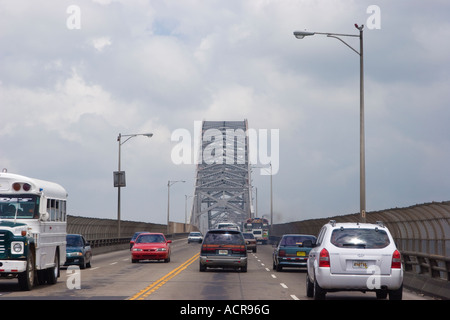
[223, 182]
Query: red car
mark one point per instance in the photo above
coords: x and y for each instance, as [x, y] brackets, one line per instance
[151, 246]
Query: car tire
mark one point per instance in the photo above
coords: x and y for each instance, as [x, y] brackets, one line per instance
[319, 293]
[83, 264]
[396, 294]
[381, 294]
[309, 287]
[202, 268]
[244, 269]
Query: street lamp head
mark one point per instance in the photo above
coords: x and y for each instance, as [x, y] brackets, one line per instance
[302, 34]
[359, 27]
[148, 135]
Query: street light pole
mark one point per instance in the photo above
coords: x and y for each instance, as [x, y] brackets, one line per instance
[169, 183]
[119, 182]
[362, 168]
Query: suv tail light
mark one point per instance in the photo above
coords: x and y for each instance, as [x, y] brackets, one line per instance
[396, 260]
[324, 258]
[205, 249]
[282, 253]
[240, 250]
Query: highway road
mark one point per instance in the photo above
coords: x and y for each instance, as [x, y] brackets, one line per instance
[113, 277]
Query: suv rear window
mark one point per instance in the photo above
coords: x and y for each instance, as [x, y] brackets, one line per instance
[224, 237]
[360, 238]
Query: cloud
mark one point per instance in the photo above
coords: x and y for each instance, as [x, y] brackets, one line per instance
[140, 66]
[100, 43]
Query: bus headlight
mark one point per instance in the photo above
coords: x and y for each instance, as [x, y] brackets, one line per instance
[17, 247]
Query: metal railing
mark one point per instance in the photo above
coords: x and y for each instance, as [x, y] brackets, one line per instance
[434, 266]
[421, 232]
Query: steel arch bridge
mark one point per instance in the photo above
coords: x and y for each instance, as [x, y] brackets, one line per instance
[223, 182]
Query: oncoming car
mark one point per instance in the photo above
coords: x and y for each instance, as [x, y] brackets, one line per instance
[354, 257]
[78, 251]
[223, 248]
[292, 251]
[195, 236]
[151, 246]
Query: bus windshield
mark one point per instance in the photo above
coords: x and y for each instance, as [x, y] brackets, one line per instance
[19, 206]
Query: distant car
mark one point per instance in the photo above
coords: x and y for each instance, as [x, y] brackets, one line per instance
[195, 237]
[228, 225]
[357, 257]
[250, 241]
[151, 246]
[292, 251]
[78, 251]
[133, 238]
[223, 248]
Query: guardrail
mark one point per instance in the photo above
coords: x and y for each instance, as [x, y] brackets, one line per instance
[434, 266]
[97, 243]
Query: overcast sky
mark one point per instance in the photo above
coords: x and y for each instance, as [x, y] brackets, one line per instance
[75, 74]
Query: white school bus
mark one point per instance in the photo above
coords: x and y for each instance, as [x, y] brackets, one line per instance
[32, 229]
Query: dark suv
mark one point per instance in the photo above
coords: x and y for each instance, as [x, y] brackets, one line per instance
[223, 248]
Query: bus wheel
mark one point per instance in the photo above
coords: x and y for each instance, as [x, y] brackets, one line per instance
[26, 278]
[52, 273]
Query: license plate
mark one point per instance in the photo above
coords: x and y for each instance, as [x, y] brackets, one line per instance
[223, 251]
[360, 265]
[301, 253]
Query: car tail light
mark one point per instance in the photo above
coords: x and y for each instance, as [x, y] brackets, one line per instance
[238, 250]
[396, 260]
[206, 249]
[324, 258]
[282, 253]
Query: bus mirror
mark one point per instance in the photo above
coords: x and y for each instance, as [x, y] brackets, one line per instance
[44, 216]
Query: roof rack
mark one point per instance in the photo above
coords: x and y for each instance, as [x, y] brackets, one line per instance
[333, 223]
[380, 223]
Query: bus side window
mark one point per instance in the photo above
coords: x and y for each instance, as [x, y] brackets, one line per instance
[51, 209]
[56, 209]
[63, 210]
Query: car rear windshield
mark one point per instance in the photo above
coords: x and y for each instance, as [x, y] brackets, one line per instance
[224, 237]
[360, 238]
[295, 240]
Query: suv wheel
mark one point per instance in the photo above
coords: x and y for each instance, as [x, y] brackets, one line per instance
[309, 287]
[396, 294]
[381, 294]
[319, 293]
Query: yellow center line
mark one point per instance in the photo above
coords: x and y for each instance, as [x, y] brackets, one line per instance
[141, 295]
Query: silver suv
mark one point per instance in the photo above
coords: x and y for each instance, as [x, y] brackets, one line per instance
[354, 257]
